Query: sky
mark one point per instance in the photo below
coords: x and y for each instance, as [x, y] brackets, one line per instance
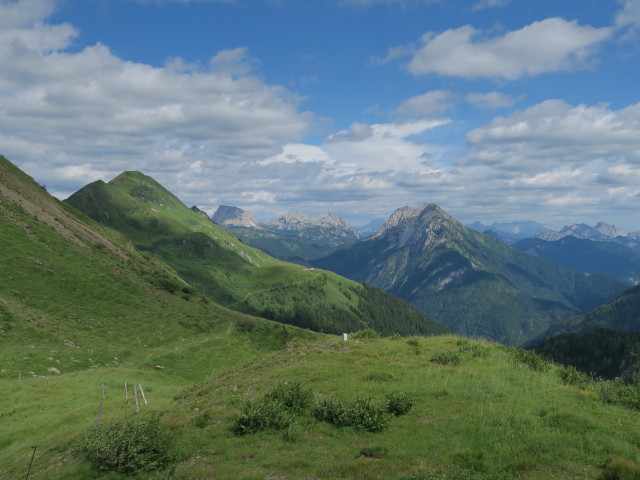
[496, 110]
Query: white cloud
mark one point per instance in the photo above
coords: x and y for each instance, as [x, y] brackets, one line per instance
[549, 45]
[630, 14]
[491, 100]
[482, 4]
[428, 105]
[91, 111]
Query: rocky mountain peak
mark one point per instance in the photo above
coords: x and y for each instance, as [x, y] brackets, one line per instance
[230, 216]
[609, 230]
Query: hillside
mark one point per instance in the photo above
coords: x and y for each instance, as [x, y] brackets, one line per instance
[237, 275]
[590, 256]
[602, 352]
[469, 281]
[81, 307]
[621, 314]
[469, 410]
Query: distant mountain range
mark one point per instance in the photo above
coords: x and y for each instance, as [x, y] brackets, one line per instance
[590, 256]
[511, 231]
[472, 282]
[293, 237]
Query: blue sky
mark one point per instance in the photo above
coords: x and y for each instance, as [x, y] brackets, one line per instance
[496, 110]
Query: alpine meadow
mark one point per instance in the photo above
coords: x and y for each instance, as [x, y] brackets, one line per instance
[319, 240]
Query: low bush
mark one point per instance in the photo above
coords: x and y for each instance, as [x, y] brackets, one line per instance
[291, 395]
[414, 343]
[618, 393]
[477, 350]
[447, 358]
[364, 413]
[571, 376]
[529, 358]
[262, 414]
[366, 333]
[398, 403]
[140, 444]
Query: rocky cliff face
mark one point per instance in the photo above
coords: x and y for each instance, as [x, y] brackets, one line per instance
[327, 227]
[229, 216]
[601, 232]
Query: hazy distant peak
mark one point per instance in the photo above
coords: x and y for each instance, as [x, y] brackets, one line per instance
[230, 216]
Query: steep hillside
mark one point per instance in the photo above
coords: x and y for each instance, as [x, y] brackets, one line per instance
[81, 307]
[232, 273]
[602, 352]
[466, 280]
[590, 256]
[621, 314]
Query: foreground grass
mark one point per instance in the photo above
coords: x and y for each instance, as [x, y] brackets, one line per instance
[484, 417]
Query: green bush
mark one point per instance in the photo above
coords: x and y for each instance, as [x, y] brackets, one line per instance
[414, 343]
[366, 333]
[571, 376]
[291, 395]
[332, 410]
[447, 358]
[398, 403]
[363, 413]
[529, 358]
[262, 414]
[140, 444]
[395, 336]
[475, 349]
[617, 392]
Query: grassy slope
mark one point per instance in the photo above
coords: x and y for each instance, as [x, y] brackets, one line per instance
[488, 418]
[78, 299]
[225, 269]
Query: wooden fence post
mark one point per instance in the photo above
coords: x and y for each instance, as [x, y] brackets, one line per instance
[143, 396]
[135, 391]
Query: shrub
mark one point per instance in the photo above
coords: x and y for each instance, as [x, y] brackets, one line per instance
[447, 358]
[398, 403]
[529, 358]
[367, 414]
[617, 392]
[366, 333]
[363, 413]
[475, 349]
[291, 395]
[571, 376]
[136, 445]
[414, 343]
[331, 410]
[395, 336]
[262, 414]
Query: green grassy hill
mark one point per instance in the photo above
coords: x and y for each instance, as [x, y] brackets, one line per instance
[475, 411]
[234, 274]
[79, 304]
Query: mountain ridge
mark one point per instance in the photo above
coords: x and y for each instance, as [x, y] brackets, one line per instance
[425, 256]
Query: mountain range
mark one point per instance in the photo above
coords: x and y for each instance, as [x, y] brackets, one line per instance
[293, 237]
[469, 281]
[237, 275]
[88, 313]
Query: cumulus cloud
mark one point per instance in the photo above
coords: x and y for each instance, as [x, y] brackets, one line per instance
[428, 105]
[550, 45]
[630, 14]
[582, 159]
[491, 100]
[90, 112]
